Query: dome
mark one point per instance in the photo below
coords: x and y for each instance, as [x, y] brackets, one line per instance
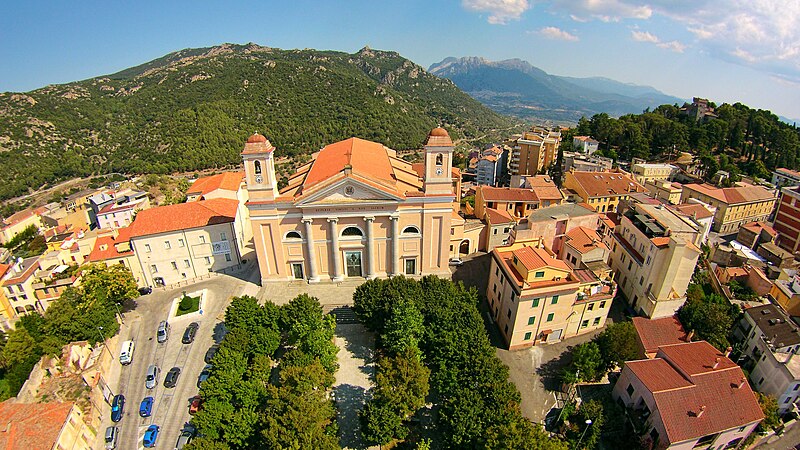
[256, 138]
[439, 131]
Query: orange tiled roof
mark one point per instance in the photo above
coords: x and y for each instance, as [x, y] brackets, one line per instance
[657, 332]
[183, 216]
[537, 258]
[497, 216]
[605, 184]
[32, 426]
[732, 195]
[584, 239]
[684, 382]
[229, 181]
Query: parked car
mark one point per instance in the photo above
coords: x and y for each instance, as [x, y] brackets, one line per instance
[187, 433]
[146, 407]
[191, 330]
[210, 353]
[203, 376]
[117, 407]
[196, 404]
[112, 436]
[172, 377]
[456, 261]
[145, 290]
[163, 332]
[150, 436]
[151, 379]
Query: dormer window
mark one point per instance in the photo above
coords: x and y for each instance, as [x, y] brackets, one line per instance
[257, 167]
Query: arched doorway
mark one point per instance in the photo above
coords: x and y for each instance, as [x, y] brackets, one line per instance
[463, 248]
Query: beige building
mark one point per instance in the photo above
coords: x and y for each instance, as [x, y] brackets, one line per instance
[665, 190]
[355, 210]
[184, 241]
[601, 190]
[648, 172]
[736, 206]
[536, 298]
[653, 255]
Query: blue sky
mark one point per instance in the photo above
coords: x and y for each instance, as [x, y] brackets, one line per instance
[726, 50]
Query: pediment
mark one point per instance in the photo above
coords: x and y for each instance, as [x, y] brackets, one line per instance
[348, 191]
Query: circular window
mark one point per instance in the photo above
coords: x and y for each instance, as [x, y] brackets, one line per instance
[349, 190]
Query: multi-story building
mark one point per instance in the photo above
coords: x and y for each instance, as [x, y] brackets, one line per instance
[665, 190]
[689, 396]
[602, 190]
[735, 205]
[787, 219]
[18, 285]
[585, 144]
[785, 178]
[178, 242]
[355, 210]
[18, 222]
[45, 426]
[654, 254]
[771, 341]
[534, 151]
[536, 298]
[518, 202]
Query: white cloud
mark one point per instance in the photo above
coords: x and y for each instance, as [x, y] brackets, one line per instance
[644, 36]
[500, 11]
[557, 33]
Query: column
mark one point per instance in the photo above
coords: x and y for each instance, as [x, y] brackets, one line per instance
[334, 250]
[396, 269]
[313, 277]
[370, 247]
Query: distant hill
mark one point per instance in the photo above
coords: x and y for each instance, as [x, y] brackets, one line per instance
[517, 88]
[193, 109]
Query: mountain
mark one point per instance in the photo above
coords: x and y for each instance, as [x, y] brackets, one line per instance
[193, 109]
[517, 88]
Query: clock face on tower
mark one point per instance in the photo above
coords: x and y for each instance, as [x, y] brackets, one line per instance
[439, 171]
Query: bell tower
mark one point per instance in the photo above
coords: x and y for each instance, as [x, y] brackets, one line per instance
[259, 168]
[438, 177]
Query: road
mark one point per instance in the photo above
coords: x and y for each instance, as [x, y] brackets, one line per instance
[171, 406]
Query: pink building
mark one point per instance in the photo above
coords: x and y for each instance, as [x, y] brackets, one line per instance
[689, 396]
[355, 210]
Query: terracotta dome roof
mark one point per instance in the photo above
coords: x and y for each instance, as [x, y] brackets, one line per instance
[439, 131]
[256, 138]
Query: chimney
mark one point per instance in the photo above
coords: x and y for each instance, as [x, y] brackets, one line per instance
[728, 352]
[702, 410]
[716, 363]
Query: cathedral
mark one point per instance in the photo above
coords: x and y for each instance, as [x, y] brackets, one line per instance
[355, 210]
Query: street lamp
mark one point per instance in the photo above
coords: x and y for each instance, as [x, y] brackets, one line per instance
[588, 424]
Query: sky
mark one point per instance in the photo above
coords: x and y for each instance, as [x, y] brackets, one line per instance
[725, 50]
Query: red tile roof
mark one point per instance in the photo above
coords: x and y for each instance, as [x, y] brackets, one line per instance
[496, 216]
[584, 239]
[695, 210]
[184, 216]
[605, 184]
[685, 382]
[732, 195]
[653, 333]
[228, 181]
[32, 426]
[537, 258]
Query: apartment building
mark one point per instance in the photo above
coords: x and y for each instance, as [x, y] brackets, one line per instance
[787, 219]
[782, 177]
[187, 240]
[653, 255]
[735, 205]
[689, 396]
[649, 172]
[602, 190]
[536, 298]
[771, 341]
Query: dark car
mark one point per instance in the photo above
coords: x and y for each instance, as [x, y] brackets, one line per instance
[203, 376]
[145, 290]
[150, 436]
[210, 353]
[191, 330]
[117, 406]
[146, 407]
[172, 377]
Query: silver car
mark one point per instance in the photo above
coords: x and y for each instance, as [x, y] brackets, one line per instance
[111, 438]
[151, 380]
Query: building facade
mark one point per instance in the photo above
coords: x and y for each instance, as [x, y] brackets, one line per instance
[736, 206]
[355, 211]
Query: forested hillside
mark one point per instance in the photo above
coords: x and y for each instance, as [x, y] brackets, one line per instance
[193, 109]
[740, 140]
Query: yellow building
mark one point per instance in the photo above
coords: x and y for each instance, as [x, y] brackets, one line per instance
[736, 206]
[601, 190]
[535, 298]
